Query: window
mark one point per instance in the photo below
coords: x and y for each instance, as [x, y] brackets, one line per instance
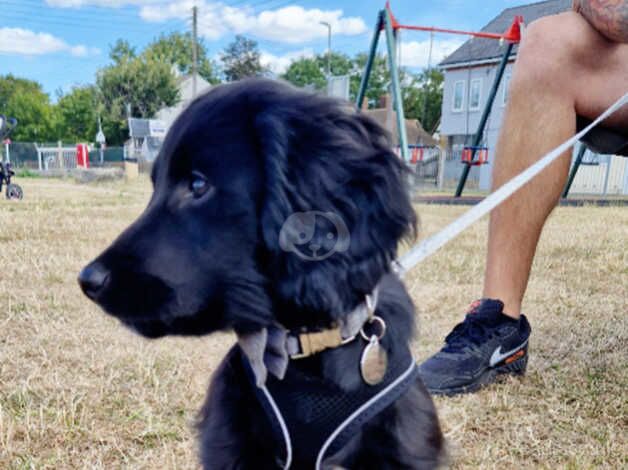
[505, 87]
[475, 94]
[458, 98]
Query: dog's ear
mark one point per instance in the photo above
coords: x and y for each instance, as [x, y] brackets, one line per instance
[279, 204]
[321, 157]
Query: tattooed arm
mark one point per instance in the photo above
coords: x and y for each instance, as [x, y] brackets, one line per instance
[609, 17]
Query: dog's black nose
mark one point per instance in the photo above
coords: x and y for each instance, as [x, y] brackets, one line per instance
[93, 279]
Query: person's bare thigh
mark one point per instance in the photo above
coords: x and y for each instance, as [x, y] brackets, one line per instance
[600, 74]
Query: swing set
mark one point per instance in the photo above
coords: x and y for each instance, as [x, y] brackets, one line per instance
[416, 153]
[475, 154]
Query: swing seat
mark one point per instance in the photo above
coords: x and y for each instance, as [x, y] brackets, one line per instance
[602, 139]
[416, 155]
[599, 140]
[468, 154]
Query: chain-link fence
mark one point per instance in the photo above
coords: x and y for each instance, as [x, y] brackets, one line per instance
[55, 156]
[20, 154]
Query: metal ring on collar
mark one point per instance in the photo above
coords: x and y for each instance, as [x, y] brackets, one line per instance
[382, 324]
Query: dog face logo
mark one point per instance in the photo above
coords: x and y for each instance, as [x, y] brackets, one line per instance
[314, 235]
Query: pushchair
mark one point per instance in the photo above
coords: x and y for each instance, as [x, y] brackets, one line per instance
[13, 191]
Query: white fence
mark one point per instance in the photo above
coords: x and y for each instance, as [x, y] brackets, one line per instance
[56, 158]
[607, 175]
[427, 163]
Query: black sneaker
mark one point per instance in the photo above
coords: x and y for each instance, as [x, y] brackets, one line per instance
[487, 343]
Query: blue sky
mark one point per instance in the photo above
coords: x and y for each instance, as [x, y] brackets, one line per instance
[61, 43]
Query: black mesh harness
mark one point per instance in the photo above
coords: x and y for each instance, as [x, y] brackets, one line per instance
[313, 419]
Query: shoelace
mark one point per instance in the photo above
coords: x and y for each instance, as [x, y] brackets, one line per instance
[473, 329]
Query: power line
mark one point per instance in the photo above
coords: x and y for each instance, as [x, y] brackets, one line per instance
[74, 16]
[97, 15]
[93, 20]
[82, 18]
[95, 25]
[67, 23]
[78, 18]
[93, 13]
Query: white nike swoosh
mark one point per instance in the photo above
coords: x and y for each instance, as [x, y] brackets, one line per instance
[498, 357]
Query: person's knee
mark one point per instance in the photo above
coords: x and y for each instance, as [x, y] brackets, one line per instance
[548, 52]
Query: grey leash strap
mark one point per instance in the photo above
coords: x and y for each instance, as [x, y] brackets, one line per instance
[430, 245]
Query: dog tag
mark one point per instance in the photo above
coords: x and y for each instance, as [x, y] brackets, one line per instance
[374, 362]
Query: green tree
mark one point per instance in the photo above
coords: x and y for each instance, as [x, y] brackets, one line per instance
[379, 80]
[142, 84]
[77, 114]
[176, 49]
[423, 98]
[121, 51]
[25, 101]
[312, 70]
[241, 59]
[9, 84]
[341, 64]
[306, 71]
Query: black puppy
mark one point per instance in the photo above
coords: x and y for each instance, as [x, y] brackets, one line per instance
[276, 213]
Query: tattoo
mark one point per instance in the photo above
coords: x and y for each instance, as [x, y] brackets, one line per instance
[609, 17]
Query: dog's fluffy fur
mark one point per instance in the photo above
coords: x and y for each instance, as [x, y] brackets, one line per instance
[192, 265]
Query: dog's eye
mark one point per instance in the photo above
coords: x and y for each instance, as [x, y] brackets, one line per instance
[199, 185]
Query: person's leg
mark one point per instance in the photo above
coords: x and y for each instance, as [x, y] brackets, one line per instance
[563, 67]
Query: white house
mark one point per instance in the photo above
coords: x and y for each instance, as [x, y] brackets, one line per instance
[185, 83]
[147, 135]
[469, 73]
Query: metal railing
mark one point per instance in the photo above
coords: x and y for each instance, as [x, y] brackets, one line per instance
[56, 156]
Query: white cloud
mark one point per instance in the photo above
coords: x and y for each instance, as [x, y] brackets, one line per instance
[279, 64]
[291, 24]
[416, 53]
[83, 51]
[178, 9]
[295, 24]
[26, 42]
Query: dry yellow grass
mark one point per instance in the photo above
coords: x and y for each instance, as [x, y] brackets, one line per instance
[79, 391]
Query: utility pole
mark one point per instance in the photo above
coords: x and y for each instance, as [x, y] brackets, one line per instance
[325, 23]
[194, 48]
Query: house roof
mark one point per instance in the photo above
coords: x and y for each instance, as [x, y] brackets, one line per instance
[201, 82]
[481, 49]
[414, 130]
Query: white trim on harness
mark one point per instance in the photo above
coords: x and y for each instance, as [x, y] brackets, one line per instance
[427, 248]
[359, 411]
[282, 424]
[432, 244]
